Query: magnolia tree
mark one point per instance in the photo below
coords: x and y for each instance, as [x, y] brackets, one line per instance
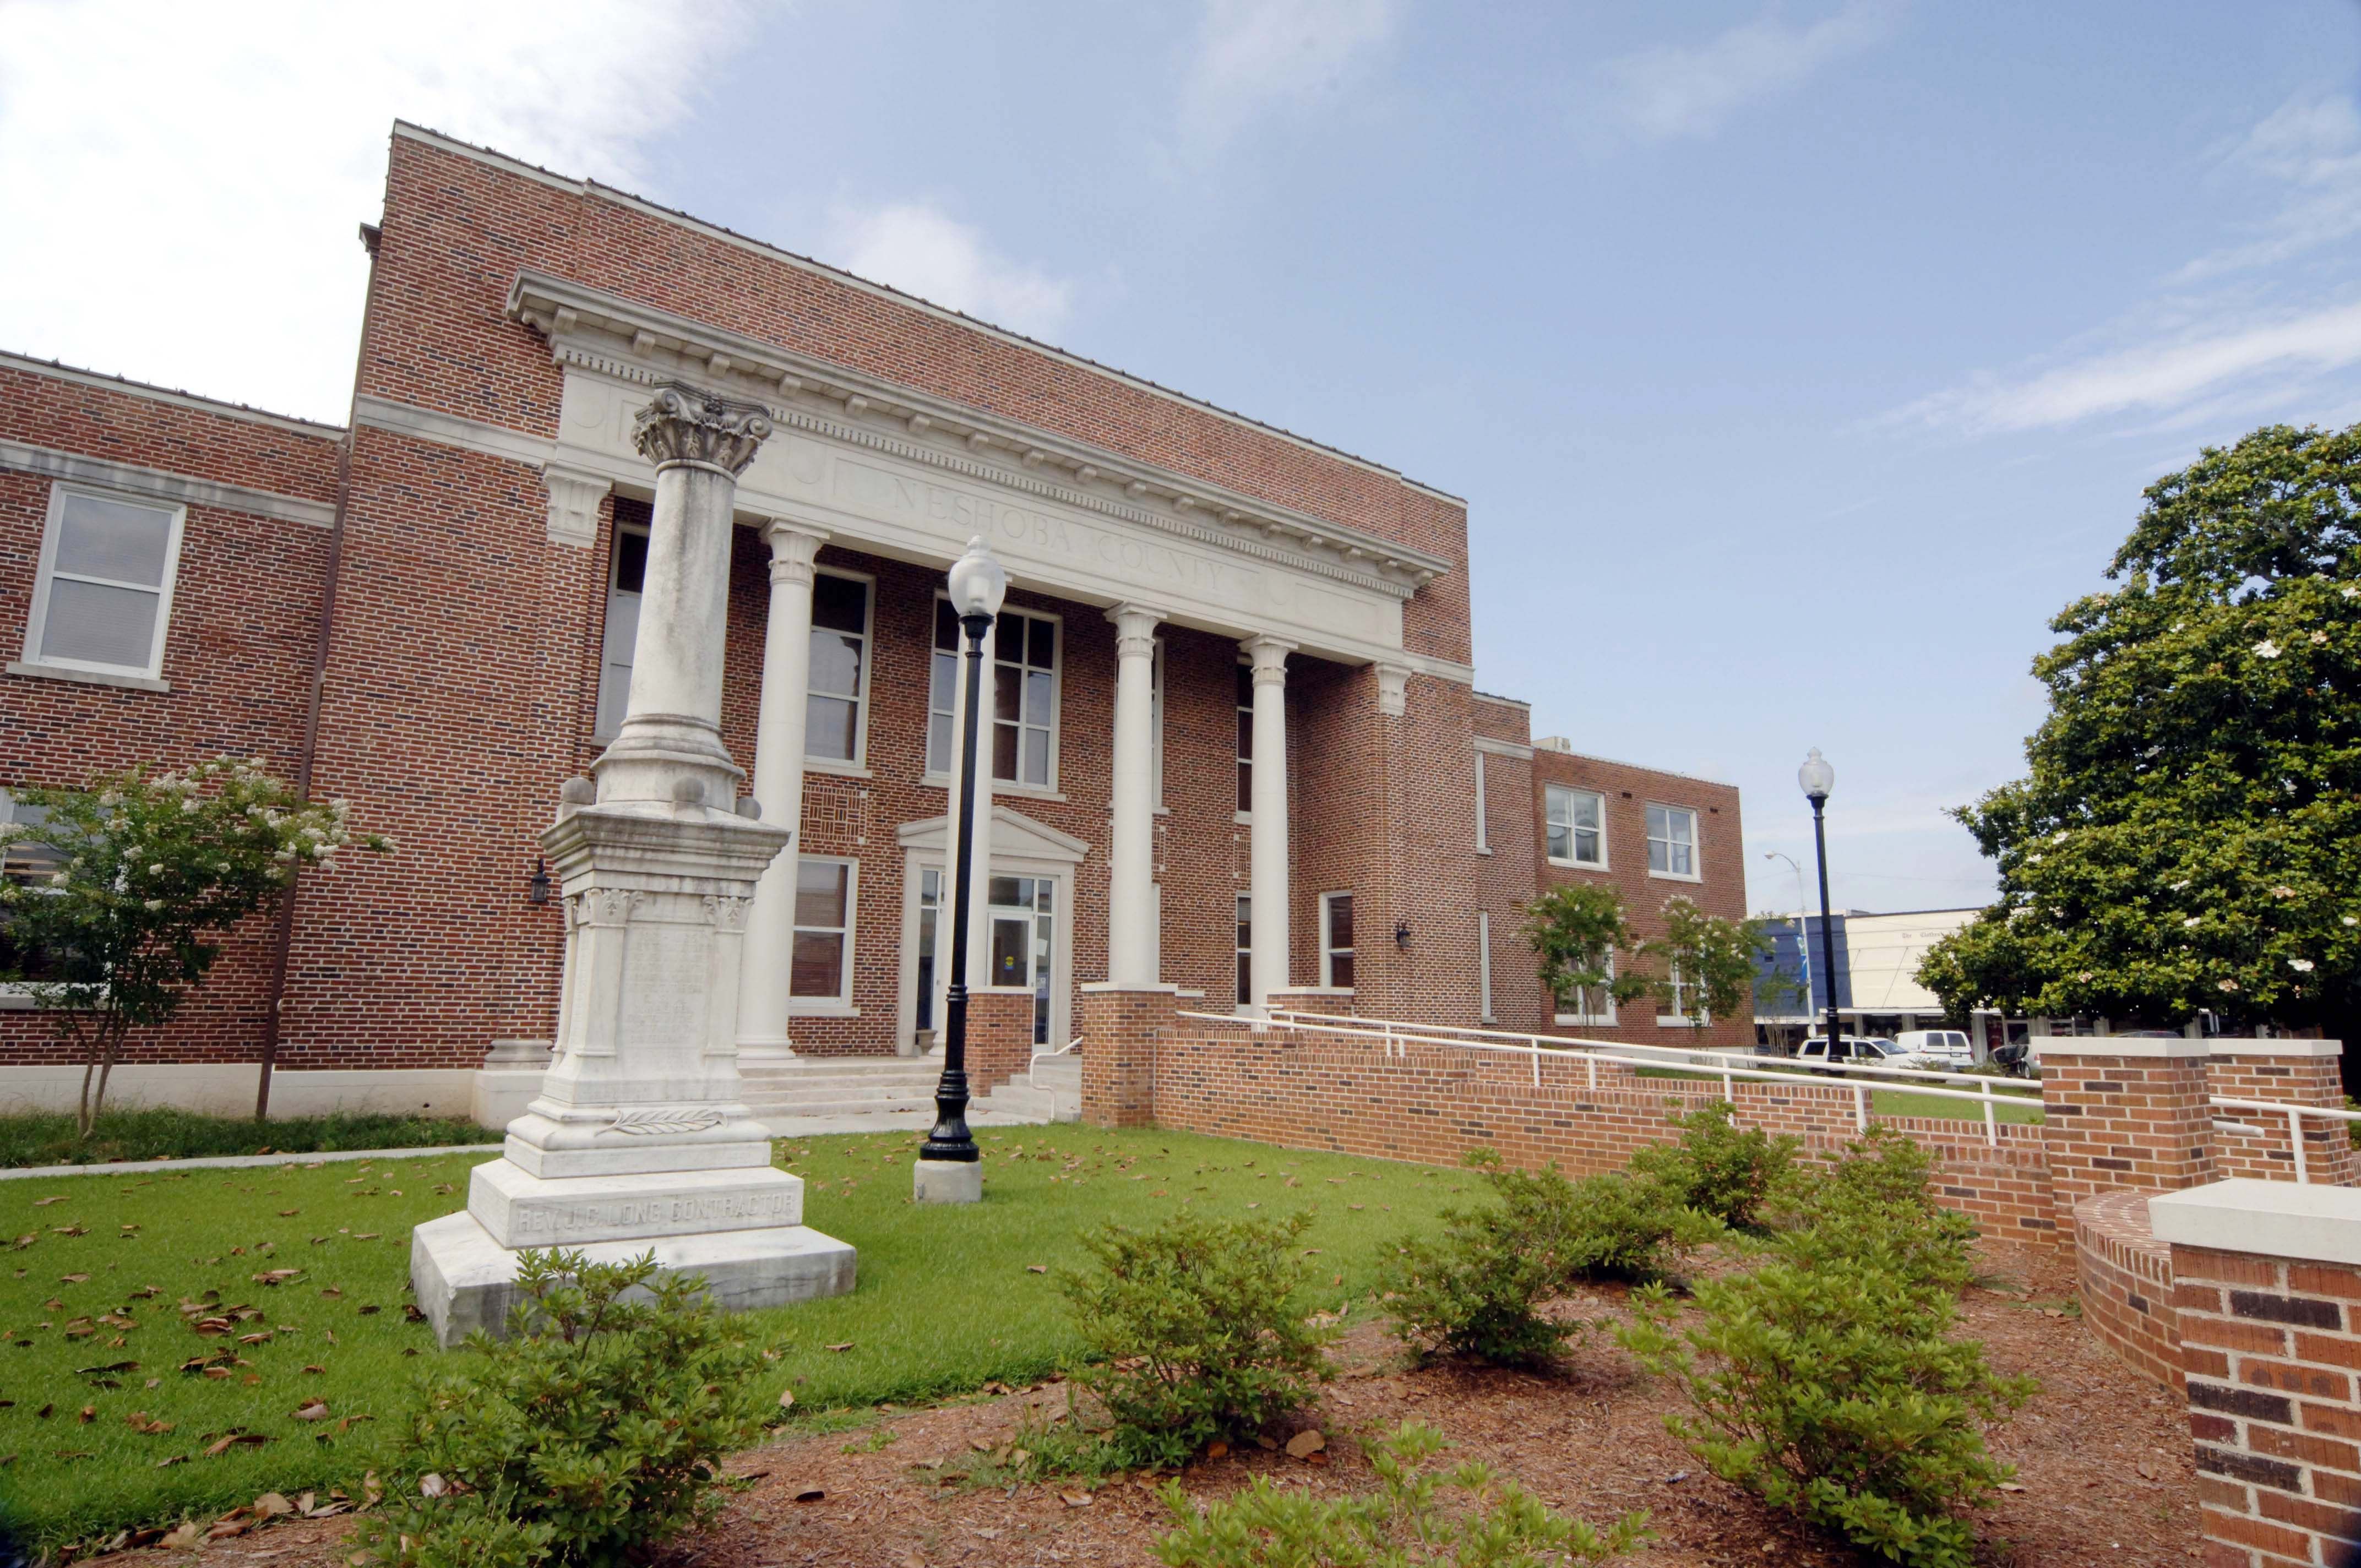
[1707, 966]
[144, 872]
[1576, 931]
[2188, 836]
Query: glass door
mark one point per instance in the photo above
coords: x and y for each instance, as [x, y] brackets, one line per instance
[1023, 922]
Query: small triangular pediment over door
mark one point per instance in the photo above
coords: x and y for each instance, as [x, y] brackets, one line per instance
[1014, 836]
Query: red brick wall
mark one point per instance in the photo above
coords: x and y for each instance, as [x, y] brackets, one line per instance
[236, 652]
[2329, 1153]
[2111, 1123]
[2126, 1283]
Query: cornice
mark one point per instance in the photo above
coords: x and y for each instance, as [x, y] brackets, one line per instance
[596, 331]
[162, 485]
[1490, 747]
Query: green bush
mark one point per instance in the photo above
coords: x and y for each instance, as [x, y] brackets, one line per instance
[1873, 1204]
[1718, 1168]
[595, 1429]
[1475, 1292]
[1195, 1331]
[1402, 1524]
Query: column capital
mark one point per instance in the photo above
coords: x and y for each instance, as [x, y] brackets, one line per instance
[794, 544]
[1394, 690]
[687, 425]
[1270, 657]
[575, 496]
[1135, 629]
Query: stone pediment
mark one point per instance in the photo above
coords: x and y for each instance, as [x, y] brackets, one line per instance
[1014, 836]
[904, 474]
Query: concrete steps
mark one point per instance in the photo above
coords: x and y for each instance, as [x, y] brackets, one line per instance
[1054, 1092]
[819, 1095]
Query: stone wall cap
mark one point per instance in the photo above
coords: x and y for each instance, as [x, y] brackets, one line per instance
[2306, 1221]
[1146, 988]
[2276, 1047]
[2117, 1046]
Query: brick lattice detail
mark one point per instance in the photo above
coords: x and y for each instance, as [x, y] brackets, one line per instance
[2270, 1346]
[2111, 1123]
[1121, 1033]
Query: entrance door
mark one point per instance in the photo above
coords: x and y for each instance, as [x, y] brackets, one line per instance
[1023, 922]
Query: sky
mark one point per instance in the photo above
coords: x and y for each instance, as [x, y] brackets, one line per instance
[1798, 361]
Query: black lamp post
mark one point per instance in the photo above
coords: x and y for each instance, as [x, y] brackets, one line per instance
[1819, 778]
[978, 583]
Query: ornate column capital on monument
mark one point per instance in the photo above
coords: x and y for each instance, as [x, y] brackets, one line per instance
[682, 424]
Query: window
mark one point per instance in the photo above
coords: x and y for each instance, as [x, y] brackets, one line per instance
[626, 575]
[1336, 940]
[1594, 1006]
[837, 687]
[1682, 1001]
[1022, 743]
[29, 863]
[1483, 828]
[1246, 738]
[104, 594]
[1245, 950]
[1483, 965]
[1576, 826]
[1155, 721]
[1671, 842]
[821, 967]
[930, 911]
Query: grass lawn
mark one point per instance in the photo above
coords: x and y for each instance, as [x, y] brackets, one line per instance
[2020, 1107]
[153, 1134]
[98, 1344]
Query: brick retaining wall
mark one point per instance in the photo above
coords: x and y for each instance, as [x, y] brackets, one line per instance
[2127, 1279]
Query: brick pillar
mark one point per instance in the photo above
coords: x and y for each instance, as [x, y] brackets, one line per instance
[2266, 1290]
[2300, 1072]
[999, 1038]
[1120, 1026]
[2123, 1113]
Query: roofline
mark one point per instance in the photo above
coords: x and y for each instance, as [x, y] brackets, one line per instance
[60, 371]
[886, 290]
[1541, 751]
[1504, 701]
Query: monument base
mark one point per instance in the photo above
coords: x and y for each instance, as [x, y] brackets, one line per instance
[464, 1280]
[947, 1180]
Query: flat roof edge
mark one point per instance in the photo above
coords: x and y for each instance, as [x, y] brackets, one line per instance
[56, 369]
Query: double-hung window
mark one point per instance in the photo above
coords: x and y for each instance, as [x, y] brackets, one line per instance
[30, 863]
[1245, 950]
[1673, 842]
[1576, 822]
[627, 576]
[837, 689]
[103, 597]
[820, 969]
[1483, 827]
[1336, 940]
[1246, 738]
[1021, 746]
[1592, 1006]
[1681, 1007]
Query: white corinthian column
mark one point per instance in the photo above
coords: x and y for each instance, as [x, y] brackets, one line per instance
[639, 1138]
[1267, 880]
[779, 790]
[1131, 913]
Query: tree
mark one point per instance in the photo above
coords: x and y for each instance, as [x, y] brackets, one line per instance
[143, 871]
[1708, 963]
[2187, 837]
[1576, 930]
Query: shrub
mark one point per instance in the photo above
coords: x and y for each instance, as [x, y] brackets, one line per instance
[1401, 1523]
[1834, 1392]
[1195, 1331]
[1475, 1292]
[596, 1428]
[1718, 1168]
[1872, 1205]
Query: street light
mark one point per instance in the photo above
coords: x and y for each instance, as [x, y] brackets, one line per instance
[1802, 927]
[1819, 778]
[978, 583]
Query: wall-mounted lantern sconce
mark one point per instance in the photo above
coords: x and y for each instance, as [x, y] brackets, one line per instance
[537, 890]
[1401, 932]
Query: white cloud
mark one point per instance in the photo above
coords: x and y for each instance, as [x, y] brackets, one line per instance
[2313, 147]
[1256, 55]
[2259, 356]
[183, 182]
[923, 250]
[1660, 93]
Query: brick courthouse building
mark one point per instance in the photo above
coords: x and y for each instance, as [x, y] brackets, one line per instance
[464, 564]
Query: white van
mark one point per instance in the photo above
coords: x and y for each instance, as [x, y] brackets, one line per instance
[1944, 1048]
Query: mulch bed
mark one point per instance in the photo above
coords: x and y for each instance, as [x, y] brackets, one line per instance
[2102, 1455]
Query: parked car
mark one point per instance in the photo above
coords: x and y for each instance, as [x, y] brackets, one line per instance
[1944, 1050]
[1871, 1049]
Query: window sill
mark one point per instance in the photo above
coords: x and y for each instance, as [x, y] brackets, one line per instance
[1580, 1021]
[1243, 818]
[14, 1001]
[815, 1008]
[1675, 876]
[1665, 1023]
[1576, 865]
[835, 769]
[90, 677]
[1483, 849]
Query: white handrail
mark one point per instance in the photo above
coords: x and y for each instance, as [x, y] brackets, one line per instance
[1040, 1057]
[1599, 1050]
[2295, 1114]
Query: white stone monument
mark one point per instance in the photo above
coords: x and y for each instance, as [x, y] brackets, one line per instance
[639, 1137]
